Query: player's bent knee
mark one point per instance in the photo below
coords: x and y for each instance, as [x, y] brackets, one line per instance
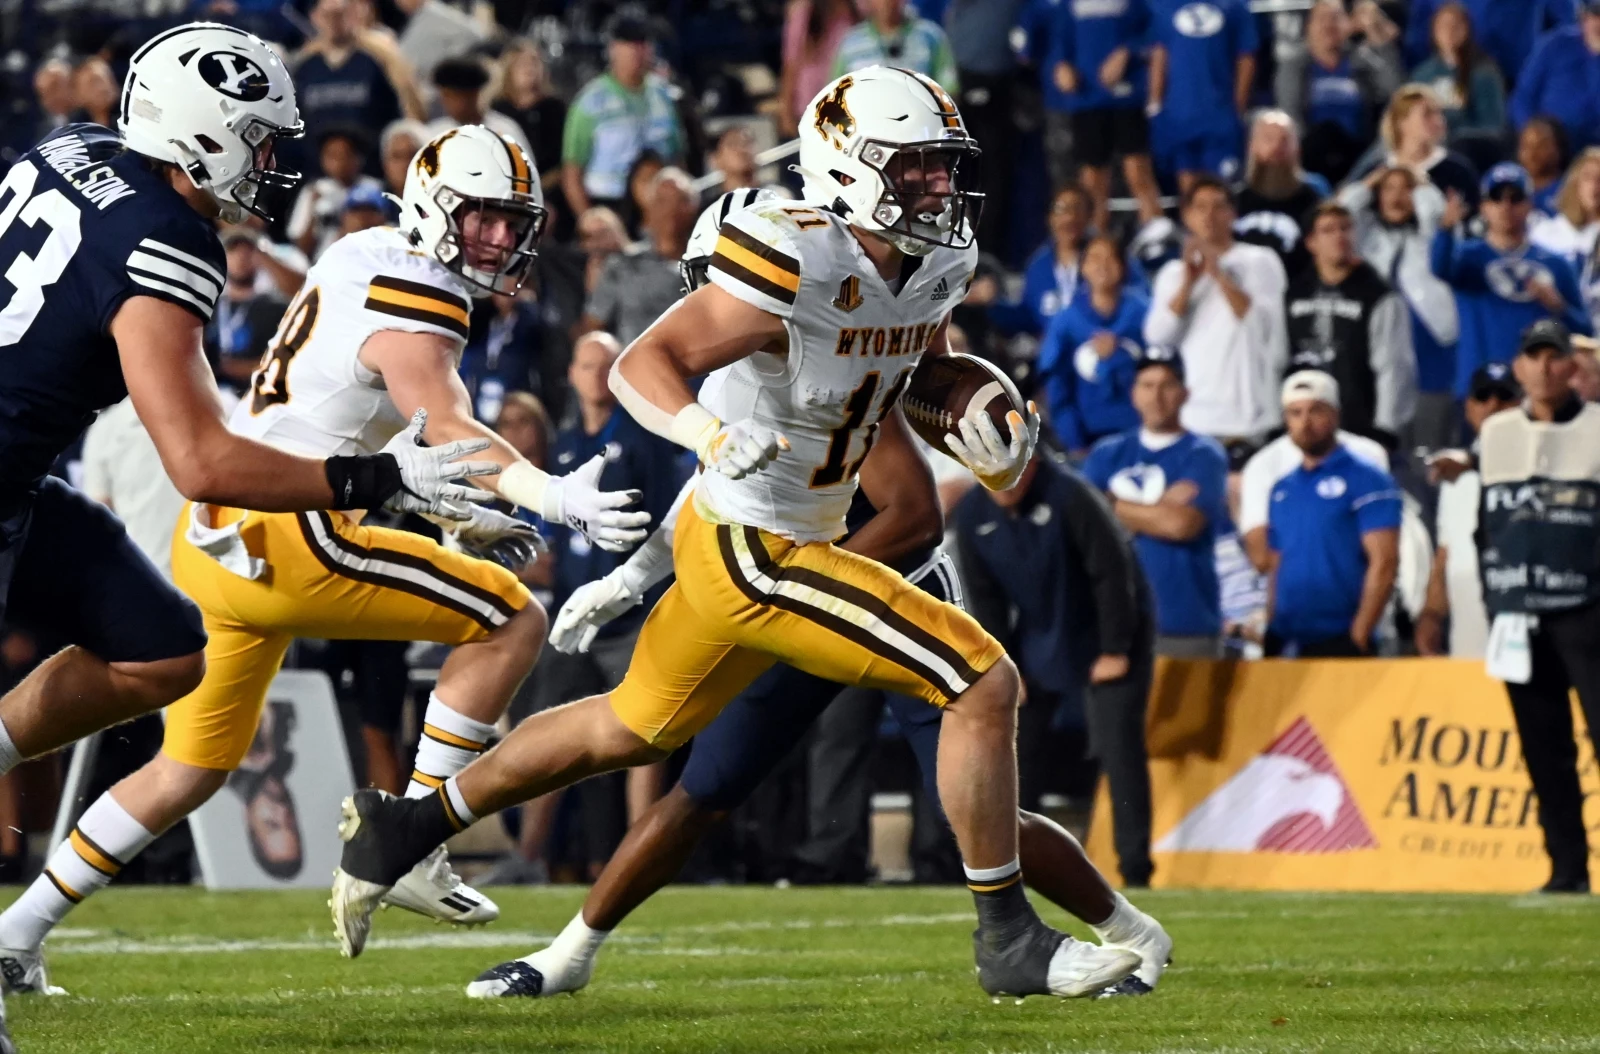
[526, 630]
[996, 692]
[147, 686]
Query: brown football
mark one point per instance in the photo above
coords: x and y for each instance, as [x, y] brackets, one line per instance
[946, 388]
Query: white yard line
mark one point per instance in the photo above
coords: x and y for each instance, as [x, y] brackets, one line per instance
[98, 942]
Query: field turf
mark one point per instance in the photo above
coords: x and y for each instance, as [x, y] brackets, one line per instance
[765, 970]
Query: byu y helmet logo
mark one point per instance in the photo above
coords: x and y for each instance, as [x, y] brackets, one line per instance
[234, 75]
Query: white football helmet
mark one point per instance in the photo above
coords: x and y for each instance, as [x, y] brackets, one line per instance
[472, 177]
[695, 266]
[889, 150]
[214, 100]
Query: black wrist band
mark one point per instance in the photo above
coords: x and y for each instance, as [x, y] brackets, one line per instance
[363, 482]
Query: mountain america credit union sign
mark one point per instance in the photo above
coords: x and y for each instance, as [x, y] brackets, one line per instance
[1392, 775]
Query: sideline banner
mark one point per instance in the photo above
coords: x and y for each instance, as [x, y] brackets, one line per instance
[1385, 775]
[272, 825]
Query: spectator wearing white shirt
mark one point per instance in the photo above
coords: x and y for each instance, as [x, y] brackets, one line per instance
[1455, 591]
[123, 472]
[314, 223]
[1396, 213]
[1221, 305]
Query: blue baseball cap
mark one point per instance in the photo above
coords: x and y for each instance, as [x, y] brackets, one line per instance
[1508, 174]
[1158, 355]
[365, 196]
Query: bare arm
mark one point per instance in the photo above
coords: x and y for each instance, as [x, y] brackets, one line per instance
[1158, 77]
[1244, 77]
[572, 186]
[1256, 548]
[419, 369]
[1435, 609]
[708, 329]
[1383, 561]
[899, 482]
[176, 398]
[1171, 521]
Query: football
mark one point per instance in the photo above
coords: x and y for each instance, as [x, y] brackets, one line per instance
[946, 388]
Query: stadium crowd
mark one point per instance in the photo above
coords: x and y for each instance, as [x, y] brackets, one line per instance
[1264, 266]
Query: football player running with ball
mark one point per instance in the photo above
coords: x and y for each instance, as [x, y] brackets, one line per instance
[816, 313]
[372, 338]
[894, 519]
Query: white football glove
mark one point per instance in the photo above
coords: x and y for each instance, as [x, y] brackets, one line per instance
[426, 473]
[590, 607]
[493, 535]
[997, 465]
[576, 500]
[741, 448]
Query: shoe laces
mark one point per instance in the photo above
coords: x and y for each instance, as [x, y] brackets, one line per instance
[439, 871]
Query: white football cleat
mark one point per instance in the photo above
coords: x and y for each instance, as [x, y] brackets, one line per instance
[1154, 948]
[434, 890]
[22, 973]
[1079, 968]
[540, 974]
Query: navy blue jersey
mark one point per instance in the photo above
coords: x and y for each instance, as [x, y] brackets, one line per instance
[84, 225]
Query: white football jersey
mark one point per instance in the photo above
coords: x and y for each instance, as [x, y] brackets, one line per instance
[852, 346]
[311, 395]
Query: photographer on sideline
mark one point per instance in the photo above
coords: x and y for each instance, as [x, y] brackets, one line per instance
[1539, 548]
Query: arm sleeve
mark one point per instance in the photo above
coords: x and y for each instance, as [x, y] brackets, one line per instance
[1255, 494]
[1379, 508]
[757, 261]
[180, 261]
[1575, 318]
[1060, 381]
[577, 137]
[1394, 364]
[1246, 41]
[1108, 563]
[1488, 100]
[1207, 469]
[1289, 85]
[604, 299]
[1267, 315]
[1162, 326]
[1530, 86]
[1097, 466]
[1444, 256]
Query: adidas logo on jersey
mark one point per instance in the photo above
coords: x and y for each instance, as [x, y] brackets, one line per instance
[941, 291]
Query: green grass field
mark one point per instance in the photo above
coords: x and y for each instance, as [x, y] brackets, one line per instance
[758, 969]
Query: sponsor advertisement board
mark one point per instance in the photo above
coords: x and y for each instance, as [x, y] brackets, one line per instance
[1392, 775]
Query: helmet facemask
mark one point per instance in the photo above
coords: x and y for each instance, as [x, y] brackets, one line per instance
[930, 192]
[264, 190]
[695, 272]
[489, 269]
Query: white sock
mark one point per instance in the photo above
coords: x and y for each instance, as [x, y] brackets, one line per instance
[1125, 923]
[450, 741]
[578, 944]
[9, 757]
[102, 843]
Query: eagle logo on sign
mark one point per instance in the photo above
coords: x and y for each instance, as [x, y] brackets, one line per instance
[835, 122]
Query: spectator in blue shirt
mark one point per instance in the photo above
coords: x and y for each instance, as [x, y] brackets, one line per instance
[1051, 278]
[1507, 28]
[1503, 283]
[1088, 355]
[1543, 153]
[1562, 79]
[1097, 56]
[1169, 487]
[505, 353]
[1201, 74]
[1034, 38]
[1333, 529]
